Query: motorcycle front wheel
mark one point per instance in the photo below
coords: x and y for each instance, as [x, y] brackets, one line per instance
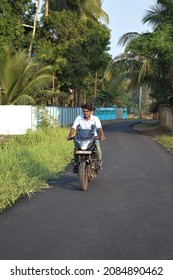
[83, 176]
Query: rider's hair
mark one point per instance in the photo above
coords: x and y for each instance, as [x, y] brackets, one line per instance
[87, 106]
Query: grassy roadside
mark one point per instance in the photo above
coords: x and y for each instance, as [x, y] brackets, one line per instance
[166, 140]
[28, 161]
[152, 128]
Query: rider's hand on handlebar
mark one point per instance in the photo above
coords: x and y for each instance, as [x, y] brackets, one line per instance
[102, 137]
[68, 137]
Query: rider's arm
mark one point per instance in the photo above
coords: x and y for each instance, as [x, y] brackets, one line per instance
[99, 128]
[74, 126]
[102, 136]
[72, 131]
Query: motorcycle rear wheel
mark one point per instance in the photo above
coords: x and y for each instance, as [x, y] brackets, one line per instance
[83, 176]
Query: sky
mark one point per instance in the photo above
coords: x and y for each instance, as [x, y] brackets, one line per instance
[125, 16]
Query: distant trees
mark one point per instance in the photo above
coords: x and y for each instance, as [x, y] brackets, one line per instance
[89, 9]
[76, 49]
[13, 16]
[68, 36]
[147, 61]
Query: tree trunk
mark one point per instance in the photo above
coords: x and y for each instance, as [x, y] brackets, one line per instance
[140, 102]
[0, 95]
[75, 98]
[79, 98]
[34, 28]
[46, 7]
[95, 88]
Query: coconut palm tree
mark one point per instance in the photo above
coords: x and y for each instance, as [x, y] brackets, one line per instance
[160, 13]
[133, 64]
[147, 60]
[148, 57]
[21, 79]
[84, 8]
[93, 9]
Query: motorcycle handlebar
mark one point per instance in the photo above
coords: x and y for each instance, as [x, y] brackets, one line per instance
[96, 138]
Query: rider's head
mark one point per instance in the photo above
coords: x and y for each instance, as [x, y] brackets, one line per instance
[87, 106]
[87, 110]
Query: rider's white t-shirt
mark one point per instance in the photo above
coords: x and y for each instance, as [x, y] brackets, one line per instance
[86, 124]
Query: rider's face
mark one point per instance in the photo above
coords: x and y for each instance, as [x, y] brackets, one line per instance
[87, 113]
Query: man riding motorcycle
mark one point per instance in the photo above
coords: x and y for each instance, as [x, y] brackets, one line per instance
[86, 121]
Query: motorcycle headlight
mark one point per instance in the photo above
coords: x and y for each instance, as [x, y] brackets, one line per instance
[85, 144]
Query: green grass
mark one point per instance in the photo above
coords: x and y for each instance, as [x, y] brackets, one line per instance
[166, 141]
[28, 161]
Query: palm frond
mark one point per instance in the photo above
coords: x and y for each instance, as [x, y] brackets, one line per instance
[36, 85]
[20, 76]
[48, 93]
[154, 15]
[146, 69]
[24, 100]
[128, 37]
[93, 9]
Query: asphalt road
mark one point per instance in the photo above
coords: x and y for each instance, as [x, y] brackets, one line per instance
[126, 213]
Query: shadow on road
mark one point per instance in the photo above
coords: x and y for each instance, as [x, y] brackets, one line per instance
[121, 126]
[67, 180]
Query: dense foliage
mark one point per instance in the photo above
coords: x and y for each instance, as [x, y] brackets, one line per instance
[147, 60]
[68, 36]
[76, 49]
[13, 15]
[22, 80]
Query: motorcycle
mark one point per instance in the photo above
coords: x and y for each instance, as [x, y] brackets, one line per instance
[86, 154]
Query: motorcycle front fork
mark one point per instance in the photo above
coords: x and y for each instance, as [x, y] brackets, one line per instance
[92, 164]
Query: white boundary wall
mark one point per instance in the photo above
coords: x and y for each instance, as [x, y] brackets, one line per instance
[15, 119]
